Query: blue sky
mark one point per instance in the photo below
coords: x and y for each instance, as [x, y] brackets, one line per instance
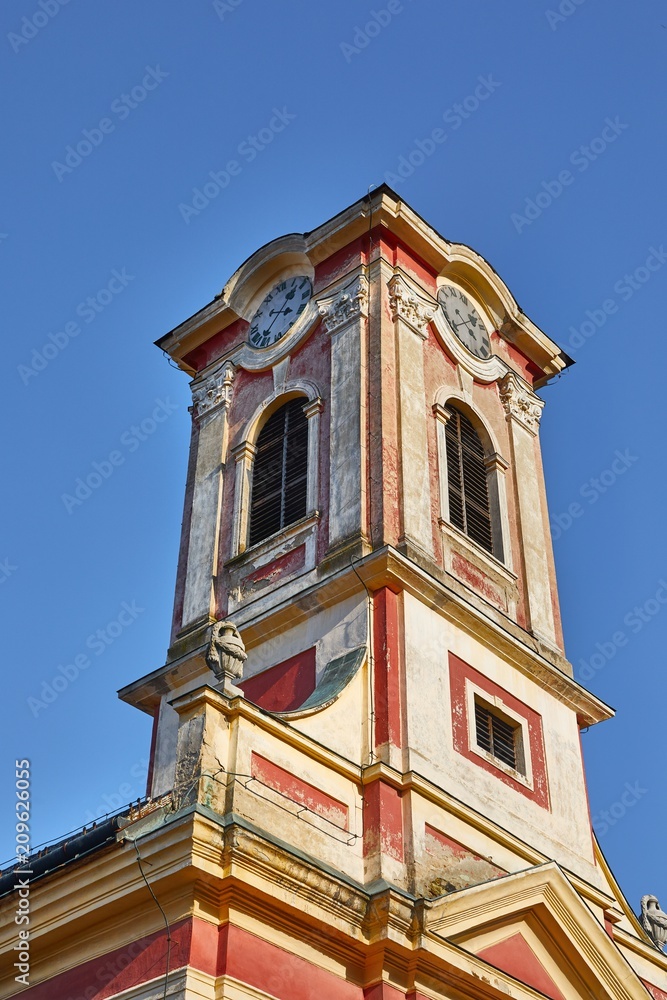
[554, 172]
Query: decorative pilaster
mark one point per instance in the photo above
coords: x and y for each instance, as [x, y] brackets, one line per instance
[312, 411]
[411, 314]
[344, 317]
[211, 400]
[442, 418]
[524, 410]
[244, 456]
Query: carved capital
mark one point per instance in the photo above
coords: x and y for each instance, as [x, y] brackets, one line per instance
[520, 402]
[442, 414]
[350, 303]
[314, 407]
[244, 452]
[410, 307]
[214, 391]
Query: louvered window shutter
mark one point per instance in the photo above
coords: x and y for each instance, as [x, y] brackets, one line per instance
[500, 738]
[280, 472]
[469, 508]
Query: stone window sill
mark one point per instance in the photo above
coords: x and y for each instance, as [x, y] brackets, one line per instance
[485, 561]
[279, 540]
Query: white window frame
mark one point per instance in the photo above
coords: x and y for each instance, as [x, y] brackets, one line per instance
[475, 693]
[496, 466]
[245, 453]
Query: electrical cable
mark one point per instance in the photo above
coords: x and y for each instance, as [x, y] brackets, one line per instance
[164, 916]
[250, 778]
[371, 657]
[170, 361]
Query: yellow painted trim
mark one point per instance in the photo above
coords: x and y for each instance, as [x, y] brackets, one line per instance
[451, 600]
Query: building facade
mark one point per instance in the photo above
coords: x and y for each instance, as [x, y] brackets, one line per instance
[366, 773]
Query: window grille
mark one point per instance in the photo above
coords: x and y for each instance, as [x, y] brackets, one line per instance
[280, 472]
[499, 736]
[469, 508]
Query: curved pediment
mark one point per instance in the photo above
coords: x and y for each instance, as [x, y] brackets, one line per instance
[281, 258]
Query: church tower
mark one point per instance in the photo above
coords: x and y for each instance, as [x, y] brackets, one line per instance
[366, 774]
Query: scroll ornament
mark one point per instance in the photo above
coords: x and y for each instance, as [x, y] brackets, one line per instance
[349, 303]
[214, 391]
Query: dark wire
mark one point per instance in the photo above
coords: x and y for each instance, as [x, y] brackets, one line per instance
[164, 917]
[371, 661]
[371, 657]
[170, 361]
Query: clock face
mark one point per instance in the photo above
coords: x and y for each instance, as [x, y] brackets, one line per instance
[279, 310]
[464, 320]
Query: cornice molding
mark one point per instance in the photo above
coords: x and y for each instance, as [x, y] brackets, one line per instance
[450, 261]
[388, 567]
[208, 866]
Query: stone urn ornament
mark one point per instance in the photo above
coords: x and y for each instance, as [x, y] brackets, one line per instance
[225, 656]
[654, 921]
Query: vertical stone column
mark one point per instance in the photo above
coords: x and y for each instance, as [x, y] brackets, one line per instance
[496, 467]
[411, 314]
[312, 411]
[344, 316]
[442, 418]
[212, 398]
[244, 456]
[524, 410]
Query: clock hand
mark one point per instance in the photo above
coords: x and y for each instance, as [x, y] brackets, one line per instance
[464, 322]
[469, 323]
[274, 319]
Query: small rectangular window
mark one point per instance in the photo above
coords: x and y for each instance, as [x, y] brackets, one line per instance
[499, 736]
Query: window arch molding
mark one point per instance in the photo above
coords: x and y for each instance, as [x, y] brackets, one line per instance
[245, 451]
[495, 465]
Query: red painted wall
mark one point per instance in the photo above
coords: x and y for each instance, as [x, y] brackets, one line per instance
[284, 687]
[515, 957]
[300, 791]
[201, 945]
[386, 662]
[383, 820]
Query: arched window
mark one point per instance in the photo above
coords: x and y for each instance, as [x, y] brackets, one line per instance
[280, 472]
[469, 508]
